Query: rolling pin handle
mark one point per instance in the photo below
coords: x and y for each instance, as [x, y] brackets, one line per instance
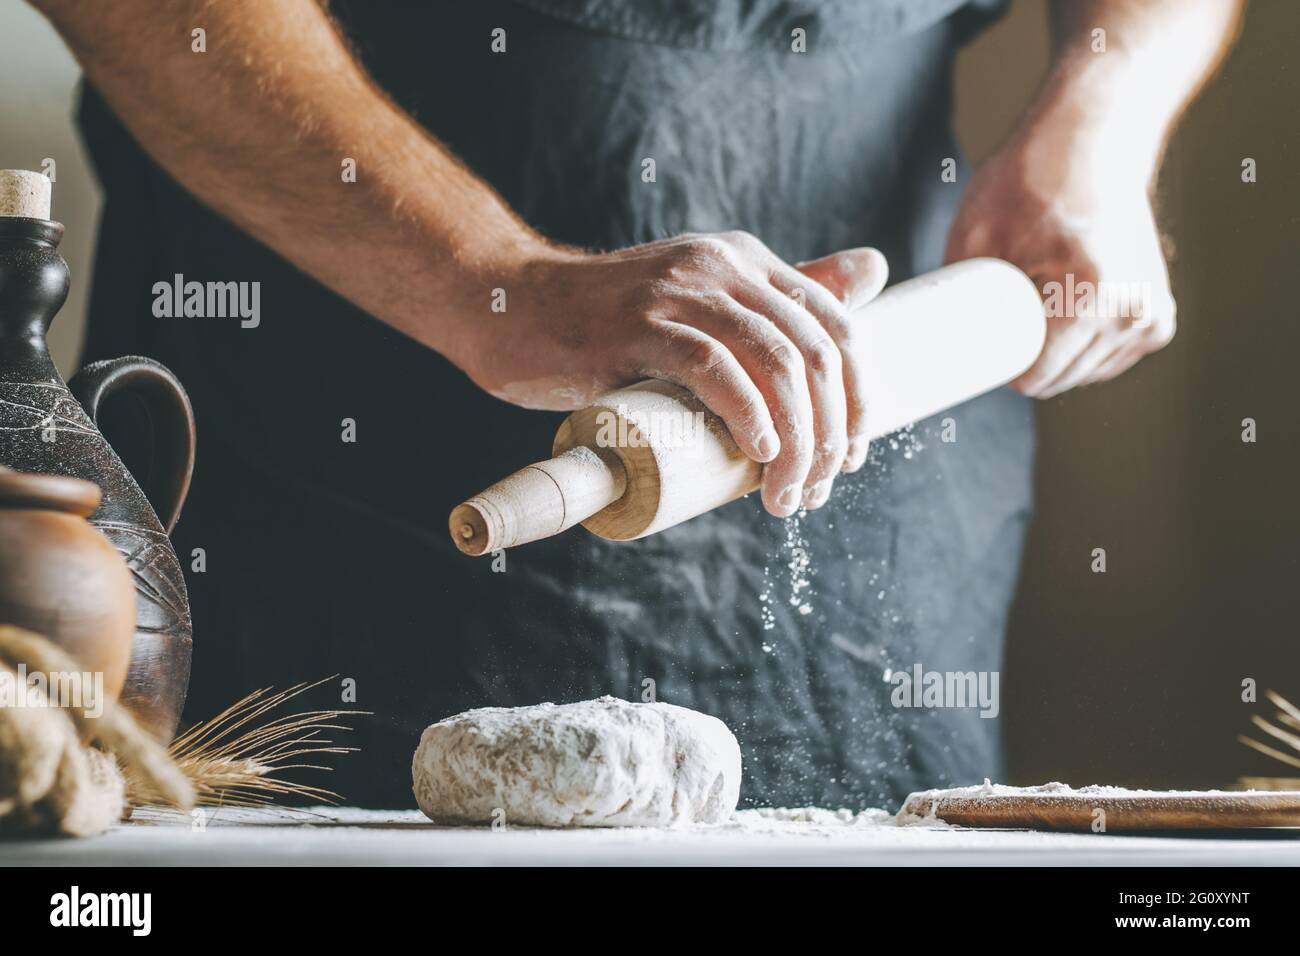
[538, 501]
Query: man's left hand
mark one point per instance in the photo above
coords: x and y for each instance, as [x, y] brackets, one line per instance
[1080, 225]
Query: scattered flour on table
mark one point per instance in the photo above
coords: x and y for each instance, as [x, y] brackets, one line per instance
[786, 820]
[598, 763]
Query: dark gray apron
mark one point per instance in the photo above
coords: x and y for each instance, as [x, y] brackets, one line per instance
[325, 557]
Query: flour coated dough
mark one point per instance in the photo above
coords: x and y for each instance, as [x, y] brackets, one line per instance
[598, 763]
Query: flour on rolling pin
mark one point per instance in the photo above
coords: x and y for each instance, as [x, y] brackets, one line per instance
[24, 194]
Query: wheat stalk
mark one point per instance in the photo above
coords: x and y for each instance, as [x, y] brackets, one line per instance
[1288, 716]
[235, 758]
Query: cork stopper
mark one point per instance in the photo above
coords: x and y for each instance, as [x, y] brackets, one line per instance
[24, 194]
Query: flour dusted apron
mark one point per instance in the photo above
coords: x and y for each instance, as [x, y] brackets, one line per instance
[325, 557]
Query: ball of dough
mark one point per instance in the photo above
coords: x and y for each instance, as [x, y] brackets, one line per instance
[598, 763]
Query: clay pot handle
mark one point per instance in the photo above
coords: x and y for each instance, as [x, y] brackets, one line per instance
[171, 418]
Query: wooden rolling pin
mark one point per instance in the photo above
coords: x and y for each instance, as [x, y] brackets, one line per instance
[650, 456]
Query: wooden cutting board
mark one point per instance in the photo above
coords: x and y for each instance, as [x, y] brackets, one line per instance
[1055, 807]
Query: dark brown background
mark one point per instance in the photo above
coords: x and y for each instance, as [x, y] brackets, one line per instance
[1134, 677]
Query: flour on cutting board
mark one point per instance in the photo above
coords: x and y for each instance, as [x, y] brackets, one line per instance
[988, 789]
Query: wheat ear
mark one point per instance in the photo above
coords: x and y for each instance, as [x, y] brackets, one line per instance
[1289, 715]
[233, 760]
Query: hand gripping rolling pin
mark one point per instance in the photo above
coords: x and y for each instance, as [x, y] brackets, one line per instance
[650, 456]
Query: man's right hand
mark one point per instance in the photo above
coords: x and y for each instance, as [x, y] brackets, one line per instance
[765, 345]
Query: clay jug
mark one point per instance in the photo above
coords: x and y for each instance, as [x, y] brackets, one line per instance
[45, 429]
[61, 578]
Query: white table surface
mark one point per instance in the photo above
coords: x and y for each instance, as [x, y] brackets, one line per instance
[346, 837]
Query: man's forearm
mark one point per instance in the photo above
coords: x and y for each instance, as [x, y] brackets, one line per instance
[1123, 89]
[258, 127]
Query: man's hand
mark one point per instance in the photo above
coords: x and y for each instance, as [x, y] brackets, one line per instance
[1068, 198]
[1090, 244]
[765, 345]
